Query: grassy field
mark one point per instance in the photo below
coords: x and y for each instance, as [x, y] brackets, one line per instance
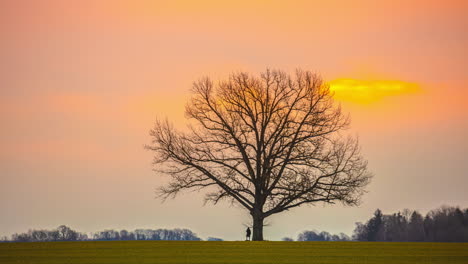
[232, 252]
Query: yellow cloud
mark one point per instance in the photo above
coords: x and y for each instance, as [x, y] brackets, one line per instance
[369, 91]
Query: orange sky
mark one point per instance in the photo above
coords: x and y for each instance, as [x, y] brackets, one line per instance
[82, 82]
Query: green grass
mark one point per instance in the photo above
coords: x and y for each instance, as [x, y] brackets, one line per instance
[232, 252]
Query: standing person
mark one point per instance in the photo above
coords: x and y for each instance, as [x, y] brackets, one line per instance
[247, 234]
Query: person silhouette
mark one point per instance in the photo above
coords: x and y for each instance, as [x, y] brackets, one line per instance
[247, 234]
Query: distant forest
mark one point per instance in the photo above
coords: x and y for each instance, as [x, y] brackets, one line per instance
[445, 224]
[65, 233]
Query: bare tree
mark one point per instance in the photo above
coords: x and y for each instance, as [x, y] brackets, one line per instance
[268, 143]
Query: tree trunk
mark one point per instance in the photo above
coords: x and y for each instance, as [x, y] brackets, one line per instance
[257, 234]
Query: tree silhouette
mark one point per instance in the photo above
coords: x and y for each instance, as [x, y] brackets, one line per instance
[375, 227]
[268, 143]
[416, 227]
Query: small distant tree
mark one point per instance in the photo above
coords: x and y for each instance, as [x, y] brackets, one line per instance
[65, 233]
[360, 232]
[344, 237]
[268, 143]
[309, 236]
[107, 235]
[125, 235]
[38, 235]
[375, 227]
[416, 227]
[287, 239]
[23, 237]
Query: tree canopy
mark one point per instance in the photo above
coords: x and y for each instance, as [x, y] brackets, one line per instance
[269, 143]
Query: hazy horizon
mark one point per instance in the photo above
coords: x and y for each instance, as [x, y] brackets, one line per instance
[82, 84]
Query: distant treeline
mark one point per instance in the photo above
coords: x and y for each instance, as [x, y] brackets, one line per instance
[147, 234]
[319, 236]
[64, 233]
[445, 224]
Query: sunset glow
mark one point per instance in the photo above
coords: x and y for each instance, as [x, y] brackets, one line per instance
[370, 91]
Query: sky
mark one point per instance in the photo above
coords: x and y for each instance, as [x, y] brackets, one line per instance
[82, 82]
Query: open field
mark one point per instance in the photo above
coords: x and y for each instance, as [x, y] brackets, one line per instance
[232, 252]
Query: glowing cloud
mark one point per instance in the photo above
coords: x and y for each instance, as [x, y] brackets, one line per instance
[369, 91]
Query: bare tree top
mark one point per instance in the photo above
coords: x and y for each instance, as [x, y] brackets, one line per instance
[269, 143]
